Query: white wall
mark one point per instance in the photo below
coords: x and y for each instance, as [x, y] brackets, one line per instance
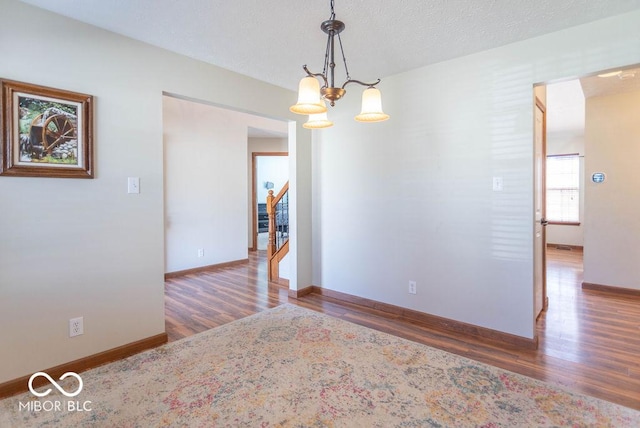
[300, 269]
[267, 145]
[73, 247]
[411, 198]
[206, 182]
[274, 169]
[612, 233]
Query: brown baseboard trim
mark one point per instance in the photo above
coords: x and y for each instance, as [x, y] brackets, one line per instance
[618, 291]
[283, 281]
[204, 268]
[19, 385]
[295, 294]
[280, 283]
[578, 248]
[433, 321]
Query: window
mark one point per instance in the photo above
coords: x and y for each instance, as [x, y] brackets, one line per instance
[563, 189]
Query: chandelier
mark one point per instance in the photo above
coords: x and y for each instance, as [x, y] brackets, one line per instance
[312, 98]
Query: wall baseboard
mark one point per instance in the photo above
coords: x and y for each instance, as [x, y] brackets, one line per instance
[295, 294]
[431, 321]
[19, 385]
[610, 289]
[283, 282]
[203, 268]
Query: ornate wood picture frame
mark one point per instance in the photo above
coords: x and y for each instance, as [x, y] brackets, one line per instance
[45, 132]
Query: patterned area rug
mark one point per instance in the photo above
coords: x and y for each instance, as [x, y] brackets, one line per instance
[291, 367]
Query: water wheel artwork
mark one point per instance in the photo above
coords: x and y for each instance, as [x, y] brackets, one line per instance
[52, 131]
[46, 132]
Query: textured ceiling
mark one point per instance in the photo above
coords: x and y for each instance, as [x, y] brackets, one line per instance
[271, 40]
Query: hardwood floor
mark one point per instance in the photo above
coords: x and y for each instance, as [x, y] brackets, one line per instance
[589, 341]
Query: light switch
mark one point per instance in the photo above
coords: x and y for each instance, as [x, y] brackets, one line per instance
[133, 185]
[497, 184]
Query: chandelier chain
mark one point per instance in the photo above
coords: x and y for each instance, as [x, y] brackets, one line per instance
[333, 13]
[344, 59]
[326, 57]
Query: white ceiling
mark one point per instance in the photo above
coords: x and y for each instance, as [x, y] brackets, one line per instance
[271, 40]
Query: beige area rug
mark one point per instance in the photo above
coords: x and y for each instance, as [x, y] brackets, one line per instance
[291, 367]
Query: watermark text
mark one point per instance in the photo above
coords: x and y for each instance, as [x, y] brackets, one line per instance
[55, 405]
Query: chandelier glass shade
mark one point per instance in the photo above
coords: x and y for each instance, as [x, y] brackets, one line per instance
[371, 107]
[312, 97]
[319, 120]
[309, 97]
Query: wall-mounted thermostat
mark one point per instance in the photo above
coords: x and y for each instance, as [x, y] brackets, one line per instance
[598, 177]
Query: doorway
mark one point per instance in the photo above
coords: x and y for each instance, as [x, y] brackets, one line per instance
[592, 116]
[270, 173]
[207, 180]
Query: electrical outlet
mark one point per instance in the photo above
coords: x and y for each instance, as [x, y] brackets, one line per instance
[412, 287]
[200, 252]
[76, 326]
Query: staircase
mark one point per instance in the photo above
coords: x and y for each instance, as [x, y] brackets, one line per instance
[278, 246]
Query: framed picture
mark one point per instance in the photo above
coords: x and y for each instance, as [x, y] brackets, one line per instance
[45, 132]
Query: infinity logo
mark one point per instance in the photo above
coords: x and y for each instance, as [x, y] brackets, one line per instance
[54, 383]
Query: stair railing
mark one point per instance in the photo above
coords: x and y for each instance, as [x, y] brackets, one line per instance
[278, 246]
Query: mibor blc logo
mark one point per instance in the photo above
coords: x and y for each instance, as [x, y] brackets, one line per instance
[55, 405]
[54, 383]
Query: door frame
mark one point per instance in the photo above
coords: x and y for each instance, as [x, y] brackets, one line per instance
[542, 193]
[254, 193]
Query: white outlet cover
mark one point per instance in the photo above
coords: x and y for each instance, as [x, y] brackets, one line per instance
[76, 326]
[412, 287]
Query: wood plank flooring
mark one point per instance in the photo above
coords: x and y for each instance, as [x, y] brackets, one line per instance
[589, 341]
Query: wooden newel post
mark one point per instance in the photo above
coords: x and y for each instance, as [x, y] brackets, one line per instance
[271, 247]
